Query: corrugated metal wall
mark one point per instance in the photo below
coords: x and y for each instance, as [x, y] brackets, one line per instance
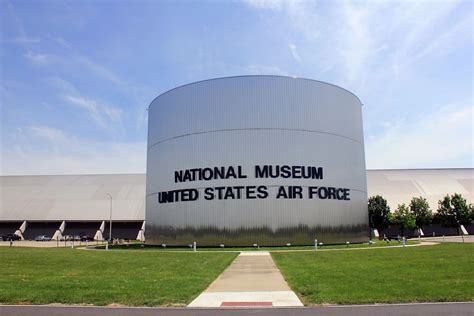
[248, 121]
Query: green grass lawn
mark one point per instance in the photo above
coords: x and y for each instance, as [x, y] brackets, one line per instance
[41, 276]
[414, 274]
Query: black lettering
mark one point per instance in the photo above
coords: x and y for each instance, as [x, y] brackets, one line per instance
[323, 193]
[346, 194]
[178, 195]
[170, 196]
[239, 191]
[219, 172]
[282, 193]
[296, 192]
[261, 172]
[209, 194]
[207, 174]
[317, 173]
[306, 172]
[187, 176]
[296, 170]
[262, 192]
[285, 171]
[194, 195]
[219, 192]
[229, 194]
[332, 193]
[312, 191]
[184, 195]
[178, 176]
[241, 175]
[340, 194]
[230, 173]
[273, 171]
[250, 192]
[194, 172]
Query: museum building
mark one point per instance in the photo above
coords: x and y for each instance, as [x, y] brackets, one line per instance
[234, 161]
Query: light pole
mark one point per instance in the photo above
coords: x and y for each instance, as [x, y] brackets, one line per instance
[110, 223]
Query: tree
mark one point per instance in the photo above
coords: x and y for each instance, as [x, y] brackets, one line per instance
[471, 207]
[444, 213]
[403, 217]
[454, 211]
[378, 212]
[420, 209]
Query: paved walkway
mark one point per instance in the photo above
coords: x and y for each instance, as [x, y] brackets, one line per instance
[251, 280]
[48, 244]
[459, 239]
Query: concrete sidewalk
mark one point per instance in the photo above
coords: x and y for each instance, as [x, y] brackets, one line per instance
[252, 280]
[441, 239]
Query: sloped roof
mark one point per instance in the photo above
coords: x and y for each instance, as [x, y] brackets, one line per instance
[72, 197]
[399, 186]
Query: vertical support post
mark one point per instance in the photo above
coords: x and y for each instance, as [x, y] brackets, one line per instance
[21, 230]
[404, 241]
[194, 246]
[110, 223]
[315, 244]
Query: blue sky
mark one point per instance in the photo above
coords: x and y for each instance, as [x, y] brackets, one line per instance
[77, 76]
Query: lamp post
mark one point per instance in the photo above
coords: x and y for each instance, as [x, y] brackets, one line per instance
[110, 223]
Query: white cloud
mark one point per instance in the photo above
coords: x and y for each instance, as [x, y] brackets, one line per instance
[448, 39]
[101, 71]
[62, 84]
[49, 133]
[266, 4]
[38, 58]
[141, 118]
[74, 157]
[294, 52]
[25, 40]
[264, 70]
[61, 41]
[432, 140]
[39, 150]
[102, 114]
[426, 32]
[358, 41]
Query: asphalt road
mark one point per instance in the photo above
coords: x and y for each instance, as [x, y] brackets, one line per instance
[395, 309]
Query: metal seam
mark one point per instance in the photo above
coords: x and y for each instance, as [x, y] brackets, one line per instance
[251, 129]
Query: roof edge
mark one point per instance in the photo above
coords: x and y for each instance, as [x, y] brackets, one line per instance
[240, 76]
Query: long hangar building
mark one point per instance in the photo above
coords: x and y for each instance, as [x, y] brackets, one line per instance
[237, 161]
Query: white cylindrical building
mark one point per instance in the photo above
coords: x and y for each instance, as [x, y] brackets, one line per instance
[262, 160]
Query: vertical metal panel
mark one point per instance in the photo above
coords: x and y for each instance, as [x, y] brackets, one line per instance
[256, 120]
